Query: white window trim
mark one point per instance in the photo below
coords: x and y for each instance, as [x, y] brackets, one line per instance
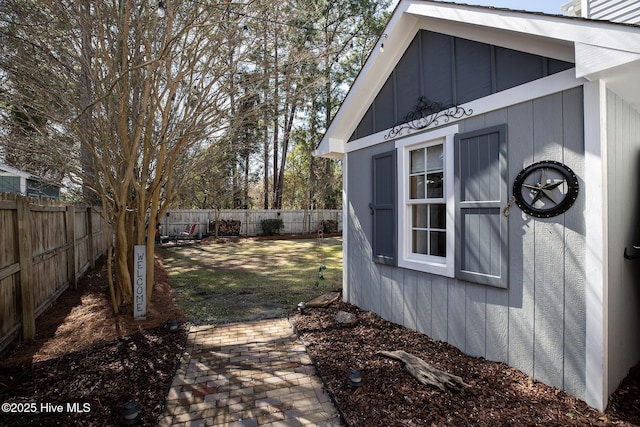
[406, 259]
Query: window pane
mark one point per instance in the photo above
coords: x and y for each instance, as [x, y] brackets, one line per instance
[417, 161]
[435, 158]
[419, 242]
[438, 243]
[437, 216]
[417, 187]
[419, 216]
[434, 185]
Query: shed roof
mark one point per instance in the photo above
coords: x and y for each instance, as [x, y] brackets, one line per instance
[600, 49]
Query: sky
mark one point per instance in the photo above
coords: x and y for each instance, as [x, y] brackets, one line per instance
[546, 6]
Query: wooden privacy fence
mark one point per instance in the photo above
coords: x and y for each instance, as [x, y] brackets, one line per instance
[44, 248]
[295, 221]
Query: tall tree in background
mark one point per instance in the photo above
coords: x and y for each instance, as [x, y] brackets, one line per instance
[127, 95]
[298, 58]
[309, 52]
[349, 29]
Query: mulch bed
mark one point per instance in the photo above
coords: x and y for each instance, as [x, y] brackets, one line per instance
[86, 364]
[86, 356]
[497, 396]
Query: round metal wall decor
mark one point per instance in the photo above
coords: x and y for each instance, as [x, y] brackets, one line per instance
[546, 189]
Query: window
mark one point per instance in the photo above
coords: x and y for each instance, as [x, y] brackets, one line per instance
[452, 188]
[425, 200]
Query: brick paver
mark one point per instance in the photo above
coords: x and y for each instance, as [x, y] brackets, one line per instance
[247, 374]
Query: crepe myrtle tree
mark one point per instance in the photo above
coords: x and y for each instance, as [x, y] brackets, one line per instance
[131, 92]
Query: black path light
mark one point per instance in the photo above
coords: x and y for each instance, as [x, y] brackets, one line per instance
[130, 413]
[173, 326]
[355, 378]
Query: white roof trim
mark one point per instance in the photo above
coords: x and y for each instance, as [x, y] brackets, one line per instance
[594, 59]
[548, 35]
[608, 35]
[13, 171]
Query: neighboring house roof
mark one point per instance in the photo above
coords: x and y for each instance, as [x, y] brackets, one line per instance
[600, 50]
[6, 169]
[17, 172]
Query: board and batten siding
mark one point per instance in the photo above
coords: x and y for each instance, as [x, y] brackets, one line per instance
[623, 141]
[538, 323]
[450, 71]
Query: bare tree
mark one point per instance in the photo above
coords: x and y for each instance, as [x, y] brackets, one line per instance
[131, 92]
[299, 56]
[313, 49]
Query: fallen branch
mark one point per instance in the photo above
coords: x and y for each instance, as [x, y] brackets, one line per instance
[425, 373]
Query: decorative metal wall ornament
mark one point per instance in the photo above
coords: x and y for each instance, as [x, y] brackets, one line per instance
[425, 114]
[545, 189]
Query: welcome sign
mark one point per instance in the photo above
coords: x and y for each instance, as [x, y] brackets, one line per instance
[140, 282]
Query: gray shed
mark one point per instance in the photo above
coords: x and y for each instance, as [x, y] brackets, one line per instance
[491, 161]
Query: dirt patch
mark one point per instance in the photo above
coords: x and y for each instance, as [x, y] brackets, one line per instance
[498, 395]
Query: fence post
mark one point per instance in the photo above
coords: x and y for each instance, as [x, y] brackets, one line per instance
[71, 248]
[26, 273]
[91, 243]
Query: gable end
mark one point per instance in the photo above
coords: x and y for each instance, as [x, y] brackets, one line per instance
[448, 71]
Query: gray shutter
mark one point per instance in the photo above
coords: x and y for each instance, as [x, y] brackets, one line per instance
[481, 193]
[383, 208]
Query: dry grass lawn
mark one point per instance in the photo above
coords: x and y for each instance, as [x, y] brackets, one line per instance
[251, 279]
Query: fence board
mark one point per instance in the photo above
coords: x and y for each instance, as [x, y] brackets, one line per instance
[45, 247]
[10, 267]
[27, 296]
[298, 221]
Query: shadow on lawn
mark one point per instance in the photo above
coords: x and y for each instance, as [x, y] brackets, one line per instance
[250, 280]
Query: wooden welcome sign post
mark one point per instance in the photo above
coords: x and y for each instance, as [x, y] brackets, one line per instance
[140, 282]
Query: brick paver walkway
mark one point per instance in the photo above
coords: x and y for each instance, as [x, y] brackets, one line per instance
[247, 374]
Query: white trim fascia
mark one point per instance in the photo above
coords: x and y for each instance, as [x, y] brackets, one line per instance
[535, 89]
[346, 211]
[597, 33]
[596, 262]
[404, 259]
[331, 148]
[11, 171]
[594, 59]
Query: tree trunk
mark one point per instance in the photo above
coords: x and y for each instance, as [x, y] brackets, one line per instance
[276, 123]
[123, 276]
[283, 160]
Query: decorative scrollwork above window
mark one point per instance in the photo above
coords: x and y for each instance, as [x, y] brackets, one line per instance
[425, 114]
